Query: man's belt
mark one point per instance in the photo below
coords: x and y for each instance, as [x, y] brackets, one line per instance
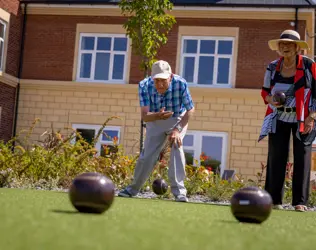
[287, 109]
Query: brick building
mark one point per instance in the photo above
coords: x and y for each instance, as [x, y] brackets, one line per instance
[10, 37]
[65, 42]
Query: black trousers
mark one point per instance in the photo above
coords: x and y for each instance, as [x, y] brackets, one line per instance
[279, 144]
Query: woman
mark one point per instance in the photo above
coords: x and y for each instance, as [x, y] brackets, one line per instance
[294, 75]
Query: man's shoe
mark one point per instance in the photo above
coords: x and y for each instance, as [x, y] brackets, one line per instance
[125, 193]
[278, 207]
[181, 198]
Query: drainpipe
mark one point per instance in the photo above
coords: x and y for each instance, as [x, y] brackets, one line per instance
[296, 18]
[20, 70]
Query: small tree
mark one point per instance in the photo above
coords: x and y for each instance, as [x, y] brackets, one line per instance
[148, 26]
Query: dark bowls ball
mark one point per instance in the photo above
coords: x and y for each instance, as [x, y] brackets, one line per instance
[159, 186]
[279, 97]
[251, 205]
[92, 193]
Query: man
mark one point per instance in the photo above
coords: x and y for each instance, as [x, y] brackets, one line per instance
[166, 107]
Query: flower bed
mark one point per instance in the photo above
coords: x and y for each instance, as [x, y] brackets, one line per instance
[53, 162]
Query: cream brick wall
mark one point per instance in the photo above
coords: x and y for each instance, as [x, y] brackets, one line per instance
[239, 112]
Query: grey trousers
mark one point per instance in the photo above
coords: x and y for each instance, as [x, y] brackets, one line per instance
[156, 134]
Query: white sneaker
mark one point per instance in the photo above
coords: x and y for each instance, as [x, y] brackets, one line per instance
[278, 207]
[181, 198]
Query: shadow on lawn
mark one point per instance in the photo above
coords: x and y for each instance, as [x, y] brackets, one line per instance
[64, 211]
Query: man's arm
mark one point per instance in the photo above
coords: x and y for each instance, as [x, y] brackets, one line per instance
[144, 102]
[185, 119]
[188, 104]
[144, 105]
[146, 115]
[150, 116]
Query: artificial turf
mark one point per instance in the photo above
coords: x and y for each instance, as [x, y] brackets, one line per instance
[45, 220]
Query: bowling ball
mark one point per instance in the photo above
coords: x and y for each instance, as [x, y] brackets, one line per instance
[279, 97]
[251, 205]
[159, 186]
[92, 193]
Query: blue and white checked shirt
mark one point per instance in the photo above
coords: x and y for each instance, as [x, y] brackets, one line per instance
[177, 98]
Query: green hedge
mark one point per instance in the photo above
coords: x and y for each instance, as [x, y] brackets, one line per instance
[58, 158]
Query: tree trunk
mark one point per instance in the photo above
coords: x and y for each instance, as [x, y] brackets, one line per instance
[142, 124]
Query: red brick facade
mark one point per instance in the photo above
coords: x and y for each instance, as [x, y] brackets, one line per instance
[50, 44]
[13, 52]
[7, 93]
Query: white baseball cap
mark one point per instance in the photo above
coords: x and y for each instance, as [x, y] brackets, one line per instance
[161, 69]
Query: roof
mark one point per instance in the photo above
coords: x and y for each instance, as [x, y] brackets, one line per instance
[219, 3]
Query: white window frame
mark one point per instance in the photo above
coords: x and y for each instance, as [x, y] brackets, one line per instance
[197, 145]
[2, 62]
[216, 56]
[96, 129]
[93, 60]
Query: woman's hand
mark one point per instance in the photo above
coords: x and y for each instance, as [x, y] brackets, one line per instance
[269, 99]
[309, 125]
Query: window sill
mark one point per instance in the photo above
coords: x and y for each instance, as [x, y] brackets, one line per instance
[101, 82]
[8, 79]
[222, 86]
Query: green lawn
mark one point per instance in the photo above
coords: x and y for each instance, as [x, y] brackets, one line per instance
[45, 220]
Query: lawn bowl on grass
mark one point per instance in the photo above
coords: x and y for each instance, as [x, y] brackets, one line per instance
[92, 193]
[251, 205]
[159, 186]
[46, 220]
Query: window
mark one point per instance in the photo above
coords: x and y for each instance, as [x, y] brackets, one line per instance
[207, 60]
[2, 37]
[210, 144]
[104, 145]
[102, 58]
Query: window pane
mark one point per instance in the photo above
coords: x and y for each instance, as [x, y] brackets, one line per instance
[207, 47]
[120, 44]
[223, 70]
[190, 46]
[206, 65]
[104, 43]
[87, 134]
[225, 47]
[102, 65]
[188, 140]
[85, 66]
[2, 30]
[188, 68]
[118, 67]
[212, 147]
[189, 156]
[87, 43]
[108, 135]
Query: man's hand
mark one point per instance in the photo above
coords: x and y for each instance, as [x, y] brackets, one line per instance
[150, 117]
[163, 115]
[309, 125]
[175, 138]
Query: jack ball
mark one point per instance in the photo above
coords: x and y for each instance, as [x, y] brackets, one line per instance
[251, 205]
[159, 186]
[92, 193]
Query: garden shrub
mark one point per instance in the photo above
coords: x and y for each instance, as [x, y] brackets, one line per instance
[55, 160]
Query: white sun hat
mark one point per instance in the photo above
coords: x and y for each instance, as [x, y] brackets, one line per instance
[289, 36]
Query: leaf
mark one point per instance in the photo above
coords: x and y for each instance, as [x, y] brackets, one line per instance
[147, 25]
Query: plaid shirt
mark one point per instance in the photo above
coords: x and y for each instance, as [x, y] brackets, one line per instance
[176, 99]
